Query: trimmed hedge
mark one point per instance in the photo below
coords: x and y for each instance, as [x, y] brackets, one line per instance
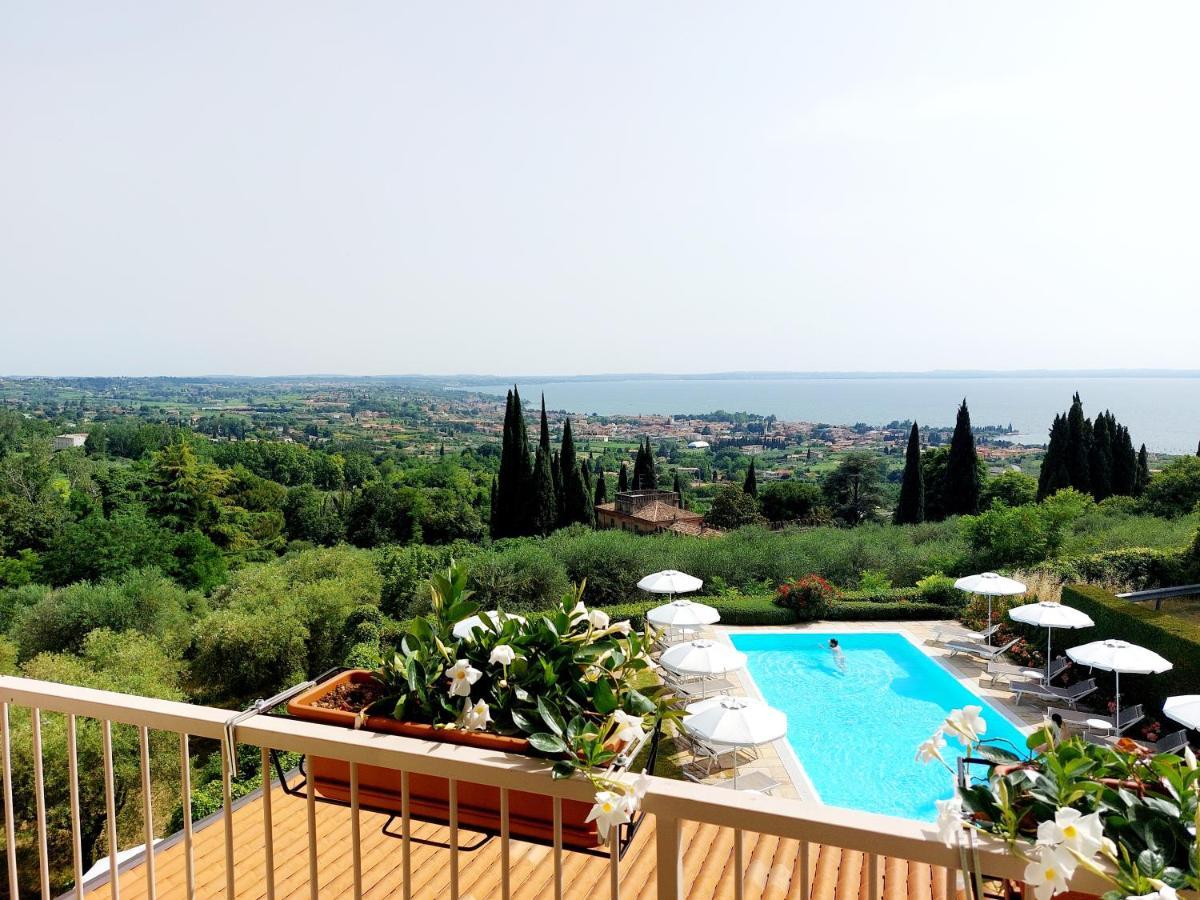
[1176, 639]
[901, 610]
[1142, 567]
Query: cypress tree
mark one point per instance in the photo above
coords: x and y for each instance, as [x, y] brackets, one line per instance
[1079, 445]
[601, 495]
[1100, 458]
[1142, 477]
[1124, 466]
[622, 479]
[962, 485]
[1054, 476]
[911, 507]
[513, 497]
[577, 501]
[492, 510]
[559, 497]
[649, 471]
[544, 434]
[750, 485]
[639, 466]
[506, 487]
[545, 505]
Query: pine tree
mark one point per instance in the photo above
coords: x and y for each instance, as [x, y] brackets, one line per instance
[750, 485]
[1143, 472]
[601, 495]
[622, 479]
[577, 501]
[1079, 445]
[962, 484]
[911, 507]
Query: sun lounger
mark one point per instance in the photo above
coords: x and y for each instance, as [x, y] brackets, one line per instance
[706, 687]
[706, 756]
[1050, 694]
[759, 782]
[1082, 720]
[997, 671]
[944, 633]
[981, 651]
[1172, 743]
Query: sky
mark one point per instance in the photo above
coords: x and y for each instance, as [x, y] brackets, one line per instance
[381, 188]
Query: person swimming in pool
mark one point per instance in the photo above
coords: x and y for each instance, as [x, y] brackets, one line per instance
[839, 658]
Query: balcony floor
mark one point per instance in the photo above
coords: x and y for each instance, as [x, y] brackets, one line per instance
[772, 864]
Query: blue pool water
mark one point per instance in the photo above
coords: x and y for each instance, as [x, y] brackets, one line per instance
[856, 732]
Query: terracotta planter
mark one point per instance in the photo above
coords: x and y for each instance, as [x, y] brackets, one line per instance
[529, 815]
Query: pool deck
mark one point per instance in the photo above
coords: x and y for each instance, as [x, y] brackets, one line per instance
[779, 761]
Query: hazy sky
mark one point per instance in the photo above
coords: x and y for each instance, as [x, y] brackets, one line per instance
[266, 188]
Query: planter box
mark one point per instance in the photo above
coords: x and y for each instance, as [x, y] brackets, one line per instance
[530, 816]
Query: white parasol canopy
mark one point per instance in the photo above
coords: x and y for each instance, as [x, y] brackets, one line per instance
[682, 614]
[464, 629]
[990, 585]
[703, 657]
[1050, 615]
[1184, 709]
[670, 582]
[1119, 657]
[736, 722]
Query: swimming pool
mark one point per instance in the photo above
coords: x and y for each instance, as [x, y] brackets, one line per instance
[856, 732]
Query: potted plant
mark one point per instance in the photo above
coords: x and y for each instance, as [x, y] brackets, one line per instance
[568, 685]
[1118, 810]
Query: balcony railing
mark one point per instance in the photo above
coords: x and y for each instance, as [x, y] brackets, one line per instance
[670, 805]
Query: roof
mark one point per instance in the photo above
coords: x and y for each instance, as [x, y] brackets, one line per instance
[772, 864]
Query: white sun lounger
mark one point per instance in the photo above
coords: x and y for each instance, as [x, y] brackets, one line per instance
[1051, 694]
[981, 651]
[945, 633]
[1098, 724]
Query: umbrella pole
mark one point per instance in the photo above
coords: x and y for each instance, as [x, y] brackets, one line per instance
[1049, 632]
[1117, 714]
[989, 624]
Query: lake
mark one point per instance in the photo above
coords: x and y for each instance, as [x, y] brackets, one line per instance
[1162, 412]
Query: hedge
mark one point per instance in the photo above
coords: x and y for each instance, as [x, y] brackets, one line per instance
[762, 610]
[1175, 638]
[859, 611]
[1142, 567]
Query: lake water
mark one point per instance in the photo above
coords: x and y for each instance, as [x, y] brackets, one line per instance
[1162, 412]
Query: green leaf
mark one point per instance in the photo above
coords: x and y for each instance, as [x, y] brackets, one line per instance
[522, 721]
[639, 704]
[547, 743]
[603, 697]
[551, 717]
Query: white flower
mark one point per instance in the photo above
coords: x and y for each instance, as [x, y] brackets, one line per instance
[629, 728]
[931, 749]
[610, 809]
[1161, 892]
[476, 717]
[622, 627]
[462, 675]
[579, 613]
[1071, 828]
[502, 655]
[1190, 758]
[966, 724]
[1049, 874]
[949, 819]
[592, 673]
[598, 619]
[640, 785]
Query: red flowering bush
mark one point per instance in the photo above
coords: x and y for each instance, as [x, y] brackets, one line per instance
[809, 597]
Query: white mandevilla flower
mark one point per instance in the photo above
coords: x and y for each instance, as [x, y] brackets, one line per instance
[610, 809]
[1074, 830]
[931, 749]
[949, 819]
[629, 728]
[462, 675]
[591, 673]
[622, 627]
[476, 716]
[1049, 874]
[1161, 892]
[579, 613]
[966, 724]
[598, 619]
[1189, 758]
[502, 655]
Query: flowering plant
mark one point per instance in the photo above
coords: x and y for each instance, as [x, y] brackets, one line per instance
[809, 596]
[570, 681]
[1119, 811]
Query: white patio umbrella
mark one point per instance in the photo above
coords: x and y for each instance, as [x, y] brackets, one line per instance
[736, 722]
[670, 582]
[1184, 709]
[703, 657]
[682, 614]
[1050, 615]
[463, 630]
[1119, 657]
[990, 585]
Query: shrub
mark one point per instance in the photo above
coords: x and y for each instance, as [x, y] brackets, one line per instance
[1175, 490]
[1176, 639]
[808, 597]
[858, 610]
[523, 576]
[938, 588]
[873, 580]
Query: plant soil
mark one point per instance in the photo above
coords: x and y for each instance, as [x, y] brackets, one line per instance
[351, 697]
